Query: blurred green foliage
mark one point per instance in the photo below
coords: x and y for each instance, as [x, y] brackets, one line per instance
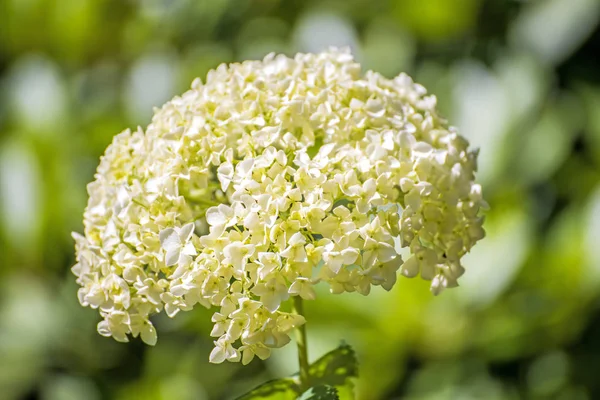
[521, 80]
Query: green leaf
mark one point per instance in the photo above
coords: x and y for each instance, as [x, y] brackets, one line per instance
[335, 368]
[279, 389]
[329, 376]
[321, 392]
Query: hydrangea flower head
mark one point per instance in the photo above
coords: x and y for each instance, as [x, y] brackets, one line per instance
[270, 177]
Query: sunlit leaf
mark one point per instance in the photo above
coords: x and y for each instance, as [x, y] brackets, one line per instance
[336, 368]
[279, 389]
[329, 375]
[321, 392]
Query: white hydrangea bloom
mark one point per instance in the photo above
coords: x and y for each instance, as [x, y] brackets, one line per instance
[273, 176]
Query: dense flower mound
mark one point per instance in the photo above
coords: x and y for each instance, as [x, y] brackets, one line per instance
[269, 178]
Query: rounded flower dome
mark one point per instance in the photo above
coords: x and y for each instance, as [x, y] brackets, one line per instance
[270, 177]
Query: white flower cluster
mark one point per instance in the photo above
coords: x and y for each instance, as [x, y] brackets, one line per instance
[273, 176]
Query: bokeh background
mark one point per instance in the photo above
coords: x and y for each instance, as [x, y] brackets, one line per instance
[521, 79]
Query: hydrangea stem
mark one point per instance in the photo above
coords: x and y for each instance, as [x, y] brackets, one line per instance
[302, 346]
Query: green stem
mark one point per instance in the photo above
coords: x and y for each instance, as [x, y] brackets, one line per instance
[302, 347]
